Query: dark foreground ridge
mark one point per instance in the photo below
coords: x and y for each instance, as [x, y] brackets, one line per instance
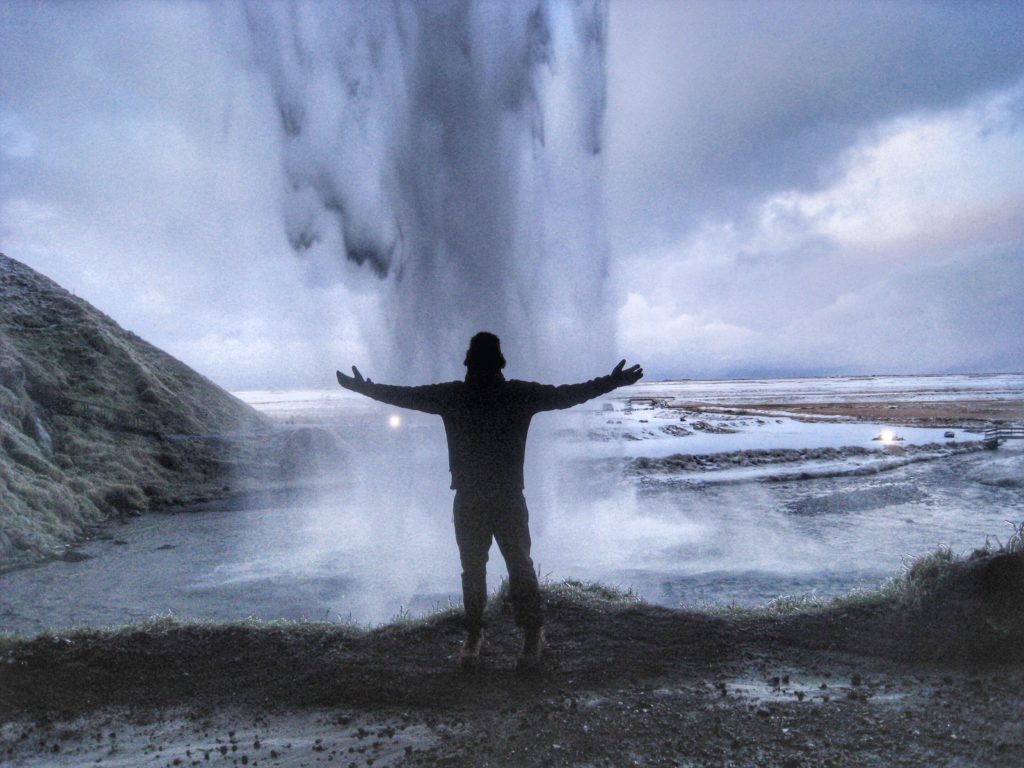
[928, 669]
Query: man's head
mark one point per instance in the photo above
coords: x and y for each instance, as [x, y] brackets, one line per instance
[484, 353]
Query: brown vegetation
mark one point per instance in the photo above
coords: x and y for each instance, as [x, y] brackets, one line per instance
[938, 413]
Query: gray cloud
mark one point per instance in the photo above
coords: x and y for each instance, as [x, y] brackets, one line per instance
[713, 105]
[949, 316]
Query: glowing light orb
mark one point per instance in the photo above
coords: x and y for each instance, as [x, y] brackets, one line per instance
[886, 435]
[394, 421]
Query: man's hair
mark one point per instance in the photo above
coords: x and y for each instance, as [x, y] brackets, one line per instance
[484, 352]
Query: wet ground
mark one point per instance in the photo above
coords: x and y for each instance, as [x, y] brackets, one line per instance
[622, 684]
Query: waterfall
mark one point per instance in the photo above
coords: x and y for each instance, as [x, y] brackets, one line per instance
[452, 149]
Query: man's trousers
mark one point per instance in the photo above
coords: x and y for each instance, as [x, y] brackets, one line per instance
[500, 515]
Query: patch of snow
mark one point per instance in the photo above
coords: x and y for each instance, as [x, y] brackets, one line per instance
[626, 436]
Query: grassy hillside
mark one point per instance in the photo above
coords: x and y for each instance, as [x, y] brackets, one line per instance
[95, 421]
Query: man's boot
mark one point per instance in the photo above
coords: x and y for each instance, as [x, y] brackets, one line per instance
[469, 656]
[531, 659]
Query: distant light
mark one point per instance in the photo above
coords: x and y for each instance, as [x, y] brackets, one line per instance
[888, 436]
[394, 421]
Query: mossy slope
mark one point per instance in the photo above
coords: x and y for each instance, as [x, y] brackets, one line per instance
[94, 420]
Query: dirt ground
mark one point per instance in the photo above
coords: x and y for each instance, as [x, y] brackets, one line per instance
[624, 683]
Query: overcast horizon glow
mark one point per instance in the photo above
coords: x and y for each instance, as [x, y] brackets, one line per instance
[790, 189]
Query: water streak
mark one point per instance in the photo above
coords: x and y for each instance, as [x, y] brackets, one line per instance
[453, 149]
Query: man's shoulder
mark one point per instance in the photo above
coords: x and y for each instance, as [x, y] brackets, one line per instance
[449, 388]
[518, 385]
[441, 386]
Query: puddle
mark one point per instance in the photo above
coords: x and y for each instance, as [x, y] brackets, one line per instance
[809, 689]
[286, 740]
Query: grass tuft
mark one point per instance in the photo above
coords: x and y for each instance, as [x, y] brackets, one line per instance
[591, 592]
[166, 625]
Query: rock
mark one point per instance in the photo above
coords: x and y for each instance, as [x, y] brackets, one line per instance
[74, 557]
[1003, 573]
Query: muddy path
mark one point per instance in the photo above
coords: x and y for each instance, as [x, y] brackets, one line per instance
[625, 683]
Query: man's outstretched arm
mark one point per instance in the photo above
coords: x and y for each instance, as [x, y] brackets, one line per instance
[549, 397]
[429, 398]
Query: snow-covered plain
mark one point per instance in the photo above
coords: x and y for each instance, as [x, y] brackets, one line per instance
[685, 504]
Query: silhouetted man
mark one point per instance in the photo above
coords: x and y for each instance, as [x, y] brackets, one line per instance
[486, 419]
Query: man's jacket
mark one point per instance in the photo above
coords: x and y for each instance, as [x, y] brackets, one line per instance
[486, 421]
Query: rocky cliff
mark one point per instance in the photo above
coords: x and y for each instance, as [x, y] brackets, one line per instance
[95, 421]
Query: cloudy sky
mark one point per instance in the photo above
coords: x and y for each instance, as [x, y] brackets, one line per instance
[789, 188]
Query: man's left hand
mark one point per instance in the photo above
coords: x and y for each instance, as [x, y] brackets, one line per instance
[630, 375]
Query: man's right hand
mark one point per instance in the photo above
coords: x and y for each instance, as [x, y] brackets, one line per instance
[355, 382]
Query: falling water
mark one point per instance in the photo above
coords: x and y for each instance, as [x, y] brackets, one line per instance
[453, 150]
